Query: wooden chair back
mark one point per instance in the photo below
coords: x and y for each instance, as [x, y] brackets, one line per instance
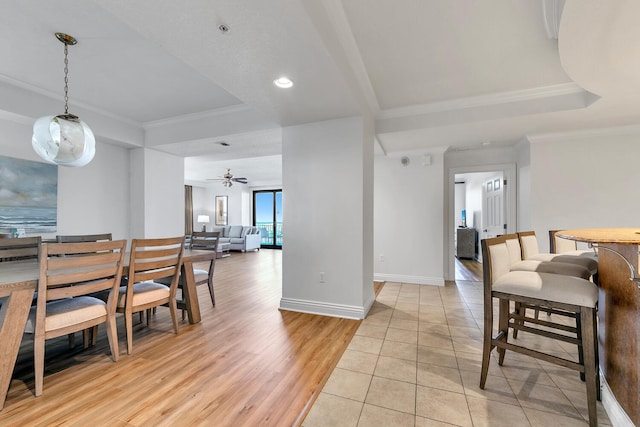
[74, 269]
[83, 238]
[153, 259]
[20, 248]
[205, 240]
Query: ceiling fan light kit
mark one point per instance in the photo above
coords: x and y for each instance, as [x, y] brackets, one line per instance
[64, 139]
[228, 179]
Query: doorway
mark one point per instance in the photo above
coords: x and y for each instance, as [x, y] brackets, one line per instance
[487, 211]
[267, 216]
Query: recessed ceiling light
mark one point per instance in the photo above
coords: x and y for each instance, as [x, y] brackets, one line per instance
[283, 82]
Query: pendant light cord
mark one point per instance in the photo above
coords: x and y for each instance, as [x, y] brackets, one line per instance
[66, 79]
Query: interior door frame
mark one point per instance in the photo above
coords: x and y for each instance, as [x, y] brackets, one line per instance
[509, 171]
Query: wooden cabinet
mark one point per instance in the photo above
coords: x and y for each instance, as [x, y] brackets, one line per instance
[466, 243]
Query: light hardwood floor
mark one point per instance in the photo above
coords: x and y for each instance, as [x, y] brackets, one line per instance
[468, 270]
[246, 364]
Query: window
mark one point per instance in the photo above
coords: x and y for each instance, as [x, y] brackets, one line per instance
[267, 216]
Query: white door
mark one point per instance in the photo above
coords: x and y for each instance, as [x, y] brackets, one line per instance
[493, 207]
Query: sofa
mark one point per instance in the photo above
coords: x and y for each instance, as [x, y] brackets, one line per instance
[240, 237]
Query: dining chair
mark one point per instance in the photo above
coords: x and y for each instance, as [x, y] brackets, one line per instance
[205, 240]
[89, 336]
[200, 240]
[151, 260]
[69, 274]
[19, 248]
[565, 295]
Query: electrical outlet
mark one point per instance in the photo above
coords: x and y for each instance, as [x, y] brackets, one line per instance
[322, 277]
[381, 258]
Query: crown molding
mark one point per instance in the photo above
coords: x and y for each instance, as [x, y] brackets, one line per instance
[233, 109]
[418, 152]
[16, 118]
[340, 23]
[584, 133]
[484, 100]
[57, 96]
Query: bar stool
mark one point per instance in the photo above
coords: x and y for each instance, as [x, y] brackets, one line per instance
[566, 295]
[529, 244]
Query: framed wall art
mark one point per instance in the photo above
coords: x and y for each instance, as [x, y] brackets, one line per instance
[28, 196]
[221, 210]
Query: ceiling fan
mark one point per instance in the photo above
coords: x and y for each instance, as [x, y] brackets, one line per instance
[228, 179]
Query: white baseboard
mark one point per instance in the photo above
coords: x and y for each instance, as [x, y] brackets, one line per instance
[416, 280]
[325, 308]
[617, 415]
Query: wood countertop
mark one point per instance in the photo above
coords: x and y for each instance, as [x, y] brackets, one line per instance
[629, 236]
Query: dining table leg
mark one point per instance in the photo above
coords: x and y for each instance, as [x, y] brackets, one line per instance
[13, 316]
[190, 293]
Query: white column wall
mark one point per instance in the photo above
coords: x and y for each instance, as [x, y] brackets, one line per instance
[408, 218]
[157, 194]
[91, 199]
[524, 185]
[584, 180]
[327, 189]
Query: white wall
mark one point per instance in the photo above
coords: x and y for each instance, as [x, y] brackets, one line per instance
[584, 180]
[91, 199]
[408, 218]
[326, 182]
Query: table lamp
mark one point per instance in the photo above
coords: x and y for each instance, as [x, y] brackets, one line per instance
[204, 220]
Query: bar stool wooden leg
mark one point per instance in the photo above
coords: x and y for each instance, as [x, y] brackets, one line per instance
[587, 320]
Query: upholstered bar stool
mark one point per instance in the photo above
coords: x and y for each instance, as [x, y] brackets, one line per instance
[529, 244]
[516, 263]
[570, 296]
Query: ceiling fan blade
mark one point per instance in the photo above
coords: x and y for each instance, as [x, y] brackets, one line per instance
[240, 180]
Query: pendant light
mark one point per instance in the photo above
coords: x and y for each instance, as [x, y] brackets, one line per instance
[64, 139]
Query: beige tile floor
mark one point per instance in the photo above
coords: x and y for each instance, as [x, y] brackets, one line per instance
[415, 361]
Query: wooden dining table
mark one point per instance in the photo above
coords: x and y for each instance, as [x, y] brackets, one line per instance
[18, 282]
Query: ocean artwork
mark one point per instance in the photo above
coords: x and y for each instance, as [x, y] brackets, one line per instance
[28, 196]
